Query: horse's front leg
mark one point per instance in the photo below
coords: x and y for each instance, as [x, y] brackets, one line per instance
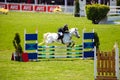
[68, 45]
[73, 43]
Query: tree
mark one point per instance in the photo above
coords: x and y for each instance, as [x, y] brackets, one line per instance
[17, 46]
[77, 9]
[118, 2]
[96, 41]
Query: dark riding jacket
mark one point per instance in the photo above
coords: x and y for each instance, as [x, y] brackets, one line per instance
[63, 30]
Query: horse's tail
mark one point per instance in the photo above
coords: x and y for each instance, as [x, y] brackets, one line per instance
[44, 38]
[41, 43]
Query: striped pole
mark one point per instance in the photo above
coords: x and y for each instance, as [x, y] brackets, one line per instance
[83, 43]
[24, 39]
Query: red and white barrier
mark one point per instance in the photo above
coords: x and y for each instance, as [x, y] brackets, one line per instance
[28, 7]
[3, 5]
[13, 6]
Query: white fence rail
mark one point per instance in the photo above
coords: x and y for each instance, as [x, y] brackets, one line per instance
[114, 10]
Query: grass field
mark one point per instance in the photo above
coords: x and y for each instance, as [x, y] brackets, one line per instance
[70, 69]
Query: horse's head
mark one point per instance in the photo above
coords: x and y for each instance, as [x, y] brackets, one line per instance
[75, 32]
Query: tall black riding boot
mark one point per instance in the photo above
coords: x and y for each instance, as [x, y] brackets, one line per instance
[62, 41]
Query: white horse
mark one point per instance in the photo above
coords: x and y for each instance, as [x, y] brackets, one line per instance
[53, 37]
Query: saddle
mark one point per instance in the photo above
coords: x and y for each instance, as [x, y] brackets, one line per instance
[60, 37]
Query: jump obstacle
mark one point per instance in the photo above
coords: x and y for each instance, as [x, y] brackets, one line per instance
[106, 65]
[86, 50]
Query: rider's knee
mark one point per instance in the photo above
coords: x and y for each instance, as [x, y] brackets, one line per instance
[60, 33]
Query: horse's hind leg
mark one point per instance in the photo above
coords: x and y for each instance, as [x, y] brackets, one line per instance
[73, 44]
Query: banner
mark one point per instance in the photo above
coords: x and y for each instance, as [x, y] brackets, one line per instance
[2, 5]
[51, 8]
[14, 6]
[27, 7]
[40, 8]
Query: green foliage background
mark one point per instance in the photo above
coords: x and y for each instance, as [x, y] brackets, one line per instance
[77, 8]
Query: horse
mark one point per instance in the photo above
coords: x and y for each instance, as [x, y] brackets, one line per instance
[67, 39]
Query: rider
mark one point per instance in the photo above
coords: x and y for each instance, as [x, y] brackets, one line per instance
[61, 32]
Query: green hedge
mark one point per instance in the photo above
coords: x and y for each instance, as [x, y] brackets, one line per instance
[96, 12]
[118, 2]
